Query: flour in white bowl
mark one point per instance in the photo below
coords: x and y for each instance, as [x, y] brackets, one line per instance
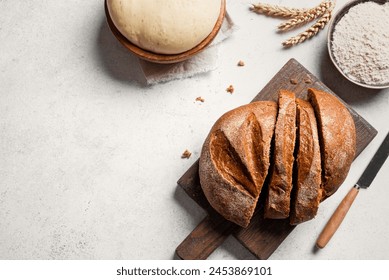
[360, 43]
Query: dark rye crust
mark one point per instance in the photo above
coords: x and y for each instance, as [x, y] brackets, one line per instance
[337, 139]
[235, 159]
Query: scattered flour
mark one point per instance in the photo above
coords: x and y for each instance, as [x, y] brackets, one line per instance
[360, 43]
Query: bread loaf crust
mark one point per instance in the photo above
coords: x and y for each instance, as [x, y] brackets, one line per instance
[235, 159]
[307, 192]
[278, 199]
[337, 138]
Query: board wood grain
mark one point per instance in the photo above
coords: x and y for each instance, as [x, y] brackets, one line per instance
[263, 236]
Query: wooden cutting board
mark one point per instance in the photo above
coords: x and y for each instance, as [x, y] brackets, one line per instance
[262, 236]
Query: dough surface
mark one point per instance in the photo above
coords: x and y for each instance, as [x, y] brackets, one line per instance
[164, 26]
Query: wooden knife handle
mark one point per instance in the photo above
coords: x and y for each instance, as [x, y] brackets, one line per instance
[336, 218]
[204, 239]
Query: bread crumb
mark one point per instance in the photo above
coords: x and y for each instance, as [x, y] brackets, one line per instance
[308, 79]
[186, 154]
[293, 81]
[241, 63]
[230, 89]
[200, 99]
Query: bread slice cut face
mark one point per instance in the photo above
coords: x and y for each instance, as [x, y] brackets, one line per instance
[235, 159]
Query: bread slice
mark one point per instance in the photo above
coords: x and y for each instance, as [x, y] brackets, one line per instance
[277, 205]
[337, 139]
[306, 192]
[234, 160]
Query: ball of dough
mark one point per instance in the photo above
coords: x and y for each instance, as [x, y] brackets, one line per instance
[164, 26]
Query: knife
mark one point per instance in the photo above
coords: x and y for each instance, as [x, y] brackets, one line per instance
[364, 182]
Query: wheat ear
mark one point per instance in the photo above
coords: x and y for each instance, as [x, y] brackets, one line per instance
[309, 33]
[276, 11]
[306, 17]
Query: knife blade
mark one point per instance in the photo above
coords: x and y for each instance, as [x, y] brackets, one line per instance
[375, 164]
[364, 181]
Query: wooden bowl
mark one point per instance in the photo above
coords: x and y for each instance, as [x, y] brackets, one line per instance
[166, 58]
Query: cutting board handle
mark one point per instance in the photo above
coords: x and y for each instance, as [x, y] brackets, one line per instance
[204, 239]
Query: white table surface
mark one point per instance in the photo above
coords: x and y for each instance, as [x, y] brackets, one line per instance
[90, 158]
